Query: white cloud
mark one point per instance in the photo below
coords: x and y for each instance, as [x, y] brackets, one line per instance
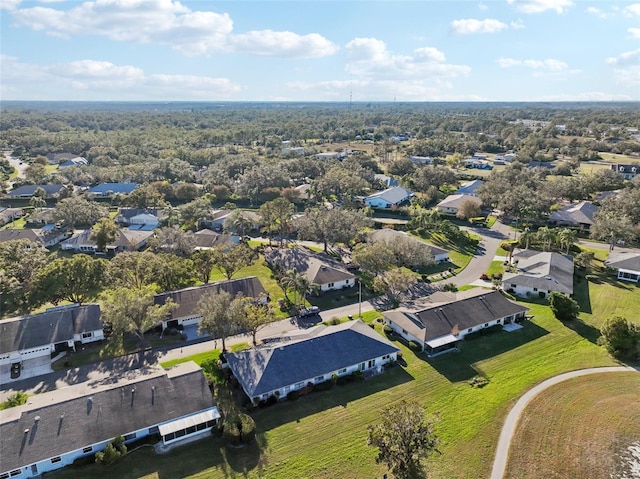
[634, 32]
[369, 57]
[102, 80]
[9, 4]
[482, 6]
[284, 44]
[550, 64]
[168, 22]
[539, 6]
[597, 12]
[471, 25]
[586, 96]
[632, 10]
[626, 69]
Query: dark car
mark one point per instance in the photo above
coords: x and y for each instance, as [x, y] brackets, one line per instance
[15, 370]
[312, 311]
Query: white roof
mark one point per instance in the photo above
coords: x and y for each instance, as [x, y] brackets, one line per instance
[442, 340]
[189, 421]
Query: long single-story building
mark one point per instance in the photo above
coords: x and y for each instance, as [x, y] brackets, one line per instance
[29, 338]
[55, 428]
[439, 326]
[278, 368]
[321, 270]
[185, 314]
[626, 264]
[386, 234]
[539, 273]
[389, 198]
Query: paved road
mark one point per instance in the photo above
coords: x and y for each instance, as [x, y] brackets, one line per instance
[17, 164]
[510, 424]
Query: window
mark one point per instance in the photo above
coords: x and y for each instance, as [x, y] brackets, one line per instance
[513, 285]
[499, 321]
[128, 437]
[299, 385]
[319, 379]
[211, 423]
[342, 371]
[469, 330]
[4, 476]
[347, 281]
[154, 430]
[201, 426]
[16, 472]
[486, 324]
[191, 429]
[87, 449]
[404, 331]
[372, 363]
[54, 460]
[87, 335]
[180, 433]
[535, 289]
[170, 436]
[330, 285]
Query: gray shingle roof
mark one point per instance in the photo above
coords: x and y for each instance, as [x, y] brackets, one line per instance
[69, 421]
[265, 369]
[319, 268]
[575, 213]
[387, 234]
[25, 332]
[470, 309]
[547, 271]
[394, 195]
[187, 298]
[29, 190]
[624, 260]
[455, 201]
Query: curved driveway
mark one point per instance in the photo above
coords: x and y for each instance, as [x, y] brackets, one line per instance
[509, 427]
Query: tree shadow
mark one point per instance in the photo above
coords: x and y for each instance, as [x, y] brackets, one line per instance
[461, 365]
[341, 395]
[245, 459]
[581, 293]
[588, 332]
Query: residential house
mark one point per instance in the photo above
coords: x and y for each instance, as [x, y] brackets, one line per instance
[304, 191]
[45, 237]
[27, 191]
[421, 160]
[451, 203]
[386, 234]
[578, 215]
[276, 369]
[127, 240]
[77, 161]
[391, 197]
[55, 428]
[388, 181]
[330, 155]
[629, 172]
[321, 270]
[539, 273]
[58, 158]
[217, 220]
[293, 150]
[480, 164]
[28, 340]
[447, 318]
[8, 215]
[184, 314]
[470, 188]
[42, 216]
[110, 189]
[207, 239]
[626, 264]
[145, 216]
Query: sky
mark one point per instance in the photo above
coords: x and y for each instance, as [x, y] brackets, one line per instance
[320, 50]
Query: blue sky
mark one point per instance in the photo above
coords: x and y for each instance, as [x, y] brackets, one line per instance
[508, 50]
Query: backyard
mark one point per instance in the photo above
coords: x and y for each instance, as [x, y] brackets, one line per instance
[324, 435]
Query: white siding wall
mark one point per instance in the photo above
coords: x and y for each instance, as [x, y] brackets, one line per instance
[406, 335]
[32, 353]
[337, 285]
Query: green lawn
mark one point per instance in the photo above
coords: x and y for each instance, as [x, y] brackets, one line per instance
[199, 358]
[324, 435]
[458, 257]
[496, 267]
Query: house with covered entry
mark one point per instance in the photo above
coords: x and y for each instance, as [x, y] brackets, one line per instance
[46, 236]
[540, 273]
[29, 341]
[110, 189]
[389, 198]
[27, 191]
[446, 318]
[289, 364]
[55, 428]
[626, 264]
[126, 240]
[452, 203]
[186, 299]
[321, 270]
[140, 216]
[629, 172]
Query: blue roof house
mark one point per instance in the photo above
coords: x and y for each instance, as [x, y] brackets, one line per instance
[108, 189]
[389, 198]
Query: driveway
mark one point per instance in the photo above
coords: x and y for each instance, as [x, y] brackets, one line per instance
[17, 164]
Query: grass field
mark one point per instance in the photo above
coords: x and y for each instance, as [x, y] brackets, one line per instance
[578, 428]
[324, 435]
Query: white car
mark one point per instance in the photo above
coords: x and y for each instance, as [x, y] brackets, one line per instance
[312, 311]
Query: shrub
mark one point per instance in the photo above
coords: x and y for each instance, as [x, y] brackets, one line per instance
[293, 395]
[621, 338]
[450, 287]
[563, 307]
[415, 347]
[247, 428]
[16, 399]
[112, 452]
[231, 432]
[324, 386]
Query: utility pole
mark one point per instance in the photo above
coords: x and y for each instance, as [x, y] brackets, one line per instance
[360, 299]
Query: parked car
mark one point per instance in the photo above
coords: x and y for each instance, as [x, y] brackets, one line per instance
[312, 311]
[15, 370]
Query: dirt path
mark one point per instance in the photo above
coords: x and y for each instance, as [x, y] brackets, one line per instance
[510, 424]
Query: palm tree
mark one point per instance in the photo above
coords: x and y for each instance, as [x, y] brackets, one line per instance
[566, 237]
[525, 238]
[546, 236]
